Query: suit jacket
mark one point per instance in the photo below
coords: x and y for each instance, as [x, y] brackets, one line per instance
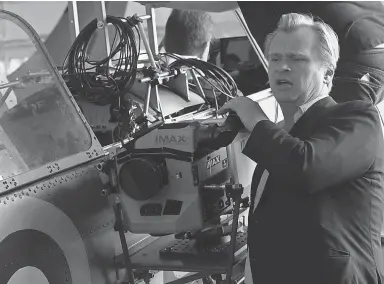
[321, 213]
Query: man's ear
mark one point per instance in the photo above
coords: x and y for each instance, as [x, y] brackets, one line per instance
[328, 76]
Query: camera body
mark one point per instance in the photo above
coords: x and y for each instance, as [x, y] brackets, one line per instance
[162, 173]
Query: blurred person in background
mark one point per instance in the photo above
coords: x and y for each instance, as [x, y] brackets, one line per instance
[189, 34]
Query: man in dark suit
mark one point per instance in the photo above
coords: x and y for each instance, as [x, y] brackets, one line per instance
[317, 191]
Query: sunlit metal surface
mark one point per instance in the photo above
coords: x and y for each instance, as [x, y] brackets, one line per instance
[28, 275]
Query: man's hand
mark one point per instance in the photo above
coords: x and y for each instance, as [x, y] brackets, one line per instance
[249, 112]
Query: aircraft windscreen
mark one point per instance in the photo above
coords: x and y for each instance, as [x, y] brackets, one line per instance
[38, 122]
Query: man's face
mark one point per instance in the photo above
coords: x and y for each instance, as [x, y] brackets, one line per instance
[295, 71]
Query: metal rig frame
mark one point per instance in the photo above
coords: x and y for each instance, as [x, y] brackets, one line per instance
[235, 191]
[127, 260]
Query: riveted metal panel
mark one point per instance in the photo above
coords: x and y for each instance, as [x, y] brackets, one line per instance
[30, 173]
[60, 224]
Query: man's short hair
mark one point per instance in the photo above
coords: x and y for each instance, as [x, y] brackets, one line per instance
[188, 32]
[329, 45]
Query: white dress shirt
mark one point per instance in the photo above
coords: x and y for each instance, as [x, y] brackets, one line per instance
[263, 181]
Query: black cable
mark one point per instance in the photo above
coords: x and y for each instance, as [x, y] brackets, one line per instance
[216, 77]
[94, 80]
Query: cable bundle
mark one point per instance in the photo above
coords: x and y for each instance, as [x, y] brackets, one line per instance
[97, 81]
[216, 77]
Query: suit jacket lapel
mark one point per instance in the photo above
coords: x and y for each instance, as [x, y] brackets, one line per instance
[310, 118]
[301, 129]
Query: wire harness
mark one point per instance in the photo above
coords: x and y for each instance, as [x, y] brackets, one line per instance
[215, 77]
[107, 80]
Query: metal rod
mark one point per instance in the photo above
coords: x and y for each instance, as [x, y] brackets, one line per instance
[159, 102]
[236, 192]
[146, 44]
[147, 99]
[236, 213]
[152, 31]
[197, 82]
[11, 84]
[5, 96]
[73, 15]
[241, 280]
[216, 103]
[120, 228]
[105, 34]
[158, 75]
[254, 43]
[144, 17]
